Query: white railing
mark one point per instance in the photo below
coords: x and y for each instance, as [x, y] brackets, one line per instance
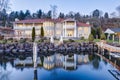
[69, 27]
[26, 28]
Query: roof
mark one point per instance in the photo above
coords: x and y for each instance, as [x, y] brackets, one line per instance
[115, 29]
[112, 30]
[6, 28]
[39, 20]
[69, 19]
[80, 24]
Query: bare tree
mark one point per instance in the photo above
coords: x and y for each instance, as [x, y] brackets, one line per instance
[118, 9]
[4, 4]
[113, 14]
[54, 11]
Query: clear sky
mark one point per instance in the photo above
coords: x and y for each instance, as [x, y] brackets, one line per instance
[65, 6]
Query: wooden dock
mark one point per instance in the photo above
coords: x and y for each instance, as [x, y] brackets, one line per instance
[108, 47]
[112, 63]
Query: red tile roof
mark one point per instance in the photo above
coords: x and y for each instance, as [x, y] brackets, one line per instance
[39, 20]
[79, 24]
[6, 28]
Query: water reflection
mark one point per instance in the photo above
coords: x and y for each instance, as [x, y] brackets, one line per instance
[67, 62]
[35, 75]
[71, 62]
[4, 74]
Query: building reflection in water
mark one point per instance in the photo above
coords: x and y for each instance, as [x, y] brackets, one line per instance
[68, 62]
[57, 60]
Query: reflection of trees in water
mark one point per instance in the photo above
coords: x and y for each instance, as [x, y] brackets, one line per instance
[42, 59]
[12, 63]
[90, 57]
[96, 61]
[105, 62]
[5, 75]
[35, 75]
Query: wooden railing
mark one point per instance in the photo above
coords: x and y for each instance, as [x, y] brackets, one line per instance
[108, 47]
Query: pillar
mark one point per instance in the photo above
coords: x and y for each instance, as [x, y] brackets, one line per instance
[24, 35]
[108, 36]
[113, 38]
[65, 29]
[109, 57]
[103, 52]
[75, 30]
[119, 39]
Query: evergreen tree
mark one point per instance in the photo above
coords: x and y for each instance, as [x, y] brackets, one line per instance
[77, 16]
[99, 31]
[16, 14]
[49, 14]
[39, 14]
[97, 13]
[42, 32]
[33, 34]
[61, 15]
[91, 38]
[27, 13]
[102, 36]
[106, 15]
[21, 15]
[93, 32]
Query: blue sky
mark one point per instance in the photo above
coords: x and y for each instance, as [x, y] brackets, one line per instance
[65, 6]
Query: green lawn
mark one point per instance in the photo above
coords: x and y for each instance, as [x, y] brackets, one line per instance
[85, 40]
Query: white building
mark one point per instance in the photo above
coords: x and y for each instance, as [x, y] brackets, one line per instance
[68, 28]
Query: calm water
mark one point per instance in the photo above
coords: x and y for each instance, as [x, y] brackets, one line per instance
[57, 67]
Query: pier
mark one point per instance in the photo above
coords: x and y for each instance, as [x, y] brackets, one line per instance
[108, 47]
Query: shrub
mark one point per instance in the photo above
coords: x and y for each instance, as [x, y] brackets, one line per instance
[4, 41]
[82, 38]
[70, 40]
[1, 37]
[22, 40]
[102, 36]
[91, 38]
[10, 39]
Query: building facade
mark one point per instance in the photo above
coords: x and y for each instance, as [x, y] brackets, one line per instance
[68, 28]
[6, 32]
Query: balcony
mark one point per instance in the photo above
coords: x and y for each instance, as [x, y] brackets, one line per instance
[69, 26]
[25, 28]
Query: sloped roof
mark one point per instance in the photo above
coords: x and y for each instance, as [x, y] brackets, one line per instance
[69, 19]
[38, 20]
[109, 31]
[80, 24]
[112, 30]
[115, 29]
[6, 28]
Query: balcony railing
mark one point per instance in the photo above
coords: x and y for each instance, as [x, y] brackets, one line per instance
[69, 26]
[26, 28]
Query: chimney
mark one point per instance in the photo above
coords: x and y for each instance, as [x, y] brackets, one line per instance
[16, 19]
[87, 22]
